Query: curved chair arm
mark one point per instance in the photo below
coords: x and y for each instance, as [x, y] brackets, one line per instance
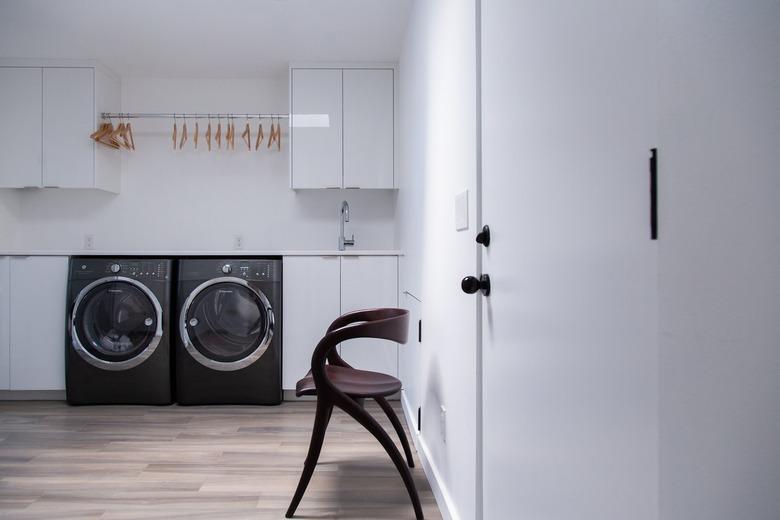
[390, 324]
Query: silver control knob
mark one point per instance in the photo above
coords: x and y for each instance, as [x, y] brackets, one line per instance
[148, 322]
[115, 268]
[193, 322]
[227, 269]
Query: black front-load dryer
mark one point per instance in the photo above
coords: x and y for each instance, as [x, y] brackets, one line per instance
[118, 348]
[229, 319]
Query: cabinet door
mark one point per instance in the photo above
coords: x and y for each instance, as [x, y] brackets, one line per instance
[369, 282]
[37, 341]
[5, 309]
[315, 128]
[311, 295]
[20, 127]
[368, 128]
[68, 120]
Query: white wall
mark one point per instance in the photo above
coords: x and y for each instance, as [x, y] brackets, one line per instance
[199, 200]
[438, 160]
[720, 260]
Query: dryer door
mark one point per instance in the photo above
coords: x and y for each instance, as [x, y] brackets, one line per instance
[116, 323]
[226, 324]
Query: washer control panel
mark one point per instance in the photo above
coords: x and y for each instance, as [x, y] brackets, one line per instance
[141, 269]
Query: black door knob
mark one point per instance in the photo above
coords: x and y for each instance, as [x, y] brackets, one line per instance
[483, 237]
[471, 284]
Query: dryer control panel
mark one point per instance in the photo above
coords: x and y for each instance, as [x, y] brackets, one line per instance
[249, 269]
[140, 269]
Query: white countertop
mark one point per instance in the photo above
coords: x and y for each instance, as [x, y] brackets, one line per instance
[231, 252]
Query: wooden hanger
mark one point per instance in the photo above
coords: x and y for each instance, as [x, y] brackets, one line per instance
[218, 136]
[103, 133]
[125, 138]
[183, 135]
[272, 135]
[259, 135]
[208, 134]
[247, 136]
[195, 140]
[175, 131]
[276, 134]
[130, 135]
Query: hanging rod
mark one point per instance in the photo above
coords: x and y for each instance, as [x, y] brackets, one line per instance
[185, 115]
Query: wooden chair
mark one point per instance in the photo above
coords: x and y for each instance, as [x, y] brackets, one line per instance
[338, 384]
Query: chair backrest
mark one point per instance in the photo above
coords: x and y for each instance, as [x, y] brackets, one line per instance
[388, 323]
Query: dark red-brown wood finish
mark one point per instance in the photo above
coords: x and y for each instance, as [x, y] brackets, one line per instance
[336, 383]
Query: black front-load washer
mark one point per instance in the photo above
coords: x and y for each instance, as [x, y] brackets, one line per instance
[229, 324]
[118, 348]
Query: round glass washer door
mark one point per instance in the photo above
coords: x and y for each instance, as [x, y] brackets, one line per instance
[116, 323]
[226, 324]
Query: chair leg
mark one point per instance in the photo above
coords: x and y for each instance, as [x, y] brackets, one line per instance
[399, 429]
[321, 419]
[370, 424]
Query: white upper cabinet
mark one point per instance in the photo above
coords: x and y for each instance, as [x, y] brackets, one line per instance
[49, 113]
[68, 120]
[316, 128]
[342, 128]
[20, 127]
[368, 128]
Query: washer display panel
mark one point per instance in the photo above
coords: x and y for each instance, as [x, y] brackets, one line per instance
[116, 323]
[226, 324]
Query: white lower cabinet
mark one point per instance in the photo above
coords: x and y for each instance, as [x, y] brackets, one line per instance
[37, 288]
[311, 296]
[5, 335]
[319, 289]
[369, 282]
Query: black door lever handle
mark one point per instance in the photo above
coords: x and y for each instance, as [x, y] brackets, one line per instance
[471, 284]
[483, 237]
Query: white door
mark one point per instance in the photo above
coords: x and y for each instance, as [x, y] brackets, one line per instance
[568, 334]
[719, 259]
[312, 298]
[316, 129]
[368, 128]
[20, 127]
[369, 282]
[37, 338]
[68, 120]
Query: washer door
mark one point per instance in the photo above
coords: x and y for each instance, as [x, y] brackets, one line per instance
[116, 323]
[226, 324]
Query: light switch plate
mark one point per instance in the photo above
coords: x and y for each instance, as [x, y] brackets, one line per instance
[462, 210]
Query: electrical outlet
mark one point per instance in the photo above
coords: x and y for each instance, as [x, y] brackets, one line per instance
[238, 241]
[89, 241]
[443, 425]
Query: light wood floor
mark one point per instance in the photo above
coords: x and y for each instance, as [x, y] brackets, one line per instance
[217, 462]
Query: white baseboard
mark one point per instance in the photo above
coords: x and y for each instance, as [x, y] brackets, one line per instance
[32, 395]
[443, 498]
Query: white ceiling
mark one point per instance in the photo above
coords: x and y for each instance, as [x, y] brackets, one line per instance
[203, 38]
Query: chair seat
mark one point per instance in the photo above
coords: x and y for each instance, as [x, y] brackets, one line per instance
[353, 382]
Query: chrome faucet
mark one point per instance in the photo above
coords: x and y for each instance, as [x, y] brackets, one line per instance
[343, 242]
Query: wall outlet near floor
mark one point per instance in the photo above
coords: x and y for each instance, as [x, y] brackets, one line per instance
[238, 241]
[89, 242]
[443, 424]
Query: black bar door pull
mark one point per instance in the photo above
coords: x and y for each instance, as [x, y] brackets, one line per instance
[654, 194]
